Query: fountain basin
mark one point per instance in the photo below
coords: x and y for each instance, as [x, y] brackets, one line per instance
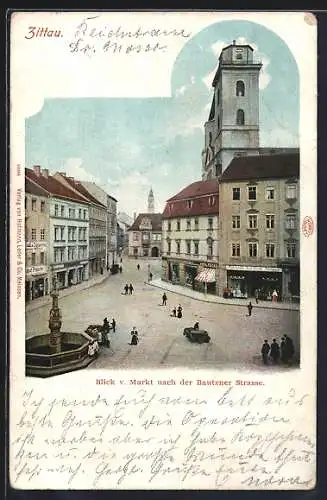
[40, 362]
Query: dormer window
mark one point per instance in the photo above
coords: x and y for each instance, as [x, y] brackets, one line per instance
[212, 201]
[189, 203]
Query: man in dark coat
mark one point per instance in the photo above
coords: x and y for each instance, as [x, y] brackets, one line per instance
[126, 289]
[265, 351]
[131, 288]
[135, 338]
[274, 351]
[164, 299]
[179, 311]
[250, 307]
[113, 324]
[289, 349]
[283, 350]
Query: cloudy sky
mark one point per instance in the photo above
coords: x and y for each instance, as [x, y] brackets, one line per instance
[129, 145]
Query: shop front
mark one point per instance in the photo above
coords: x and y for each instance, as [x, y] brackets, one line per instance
[206, 280]
[245, 281]
[36, 283]
[190, 273]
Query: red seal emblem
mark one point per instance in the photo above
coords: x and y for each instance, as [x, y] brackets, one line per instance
[307, 226]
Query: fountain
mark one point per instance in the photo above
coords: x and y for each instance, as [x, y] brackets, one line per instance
[56, 352]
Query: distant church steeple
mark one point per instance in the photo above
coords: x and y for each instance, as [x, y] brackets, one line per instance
[151, 202]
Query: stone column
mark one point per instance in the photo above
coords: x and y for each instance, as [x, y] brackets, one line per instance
[66, 279]
[55, 324]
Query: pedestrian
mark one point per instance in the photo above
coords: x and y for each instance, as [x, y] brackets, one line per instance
[256, 295]
[121, 260]
[179, 311]
[113, 324]
[274, 296]
[164, 299]
[250, 307]
[138, 267]
[274, 352]
[126, 289]
[135, 337]
[120, 269]
[108, 339]
[105, 325]
[150, 276]
[283, 350]
[289, 349]
[265, 351]
[173, 312]
[196, 326]
[131, 289]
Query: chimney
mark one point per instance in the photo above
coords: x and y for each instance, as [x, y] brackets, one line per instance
[37, 170]
[234, 42]
[45, 172]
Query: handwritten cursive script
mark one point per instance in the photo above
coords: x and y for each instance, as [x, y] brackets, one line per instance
[238, 438]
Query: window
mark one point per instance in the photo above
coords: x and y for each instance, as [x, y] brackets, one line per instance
[252, 221]
[253, 249]
[290, 221]
[42, 234]
[56, 208]
[212, 201]
[33, 259]
[240, 87]
[291, 191]
[196, 224]
[145, 237]
[84, 214]
[42, 206]
[252, 193]
[236, 194]
[291, 250]
[33, 234]
[169, 246]
[270, 221]
[56, 233]
[240, 117]
[189, 203]
[196, 247]
[238, 56]
[169, 226]
[62, 210]
[79, 213]
[210, 223]
[270, 250]
[42, 258]
[188, 247]
[236, 249]
[210, 247]
[135, 236]
[270, 193]
[236, 222]
[188, 225]
[178, 247]
[178, 225]
[72, 213]
[62, 233]
[34, 204]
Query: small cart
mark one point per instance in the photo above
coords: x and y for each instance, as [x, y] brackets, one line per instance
[198, 336]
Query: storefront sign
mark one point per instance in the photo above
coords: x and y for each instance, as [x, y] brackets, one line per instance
[210, 265]
[35, 270]
[35, 245]
[84, 262]
[255, 269]
[58, 266]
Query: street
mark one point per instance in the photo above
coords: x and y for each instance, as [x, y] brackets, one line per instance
[235, 338]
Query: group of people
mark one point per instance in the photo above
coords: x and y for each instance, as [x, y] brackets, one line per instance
[177, 312]
[134, 336]
[275, 352]
[129, 289]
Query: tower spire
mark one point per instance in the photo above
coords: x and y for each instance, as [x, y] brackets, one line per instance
[151, 202]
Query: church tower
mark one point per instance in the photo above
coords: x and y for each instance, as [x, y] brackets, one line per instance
[151, 202]
[233, 125]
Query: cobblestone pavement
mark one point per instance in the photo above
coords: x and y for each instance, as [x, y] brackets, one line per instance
[236, 339]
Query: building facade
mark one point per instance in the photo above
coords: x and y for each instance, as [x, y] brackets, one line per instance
[190, 237]
[259, 211]
[37, 224]
[111, 219]
[124, 222]
[97, 224]
[68, 239]
[145, 236]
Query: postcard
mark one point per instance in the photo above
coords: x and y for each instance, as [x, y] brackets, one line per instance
[163, 287]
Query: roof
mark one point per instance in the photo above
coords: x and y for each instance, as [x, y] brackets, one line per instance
[32, 188]
[82, 189]
[237, 45]
[155, 221]
[274, 166]
[199, 188]
[54, 187]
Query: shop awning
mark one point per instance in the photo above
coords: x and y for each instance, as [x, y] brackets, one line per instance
[206, 276]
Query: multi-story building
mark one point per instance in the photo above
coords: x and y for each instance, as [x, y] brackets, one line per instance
[145, 236]
[37, 224]
[124, 222]
[97, 224]
[68, 229]
[259, 226]
[190, 236]
[111, 219]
